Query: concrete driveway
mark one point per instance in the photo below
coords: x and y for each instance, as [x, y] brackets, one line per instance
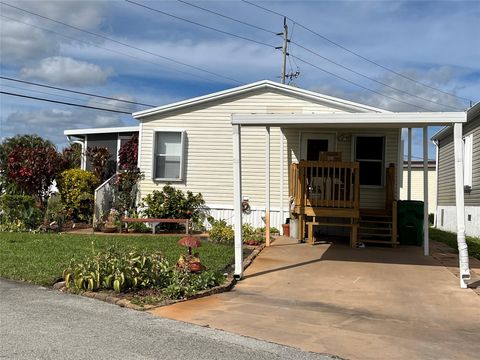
[372, 303]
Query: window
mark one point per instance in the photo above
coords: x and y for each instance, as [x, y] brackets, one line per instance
[168, 156]
[369, 152]
[467, 160]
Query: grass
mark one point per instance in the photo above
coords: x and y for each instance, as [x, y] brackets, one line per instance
[451, 240]
[41, 258]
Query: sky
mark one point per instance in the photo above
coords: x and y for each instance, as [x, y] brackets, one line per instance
[120, 49]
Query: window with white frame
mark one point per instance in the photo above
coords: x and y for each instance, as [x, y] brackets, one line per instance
[168, 155]
[369, 151]
[467, 160]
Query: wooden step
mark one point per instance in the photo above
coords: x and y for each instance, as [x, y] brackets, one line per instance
[380, 235]
[375, 221]
[375, 228]
[380, 241]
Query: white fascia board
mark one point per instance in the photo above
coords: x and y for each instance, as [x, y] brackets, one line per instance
[267, 84]
[110, 130]
[440, 134]
[404, 119]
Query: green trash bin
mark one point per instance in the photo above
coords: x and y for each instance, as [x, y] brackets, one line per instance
[410, 222]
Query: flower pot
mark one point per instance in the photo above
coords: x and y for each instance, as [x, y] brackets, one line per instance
[109, 229]
[195, 267]
[286, 229]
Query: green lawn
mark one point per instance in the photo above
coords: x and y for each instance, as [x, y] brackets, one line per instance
[451, 240]
[41, 258]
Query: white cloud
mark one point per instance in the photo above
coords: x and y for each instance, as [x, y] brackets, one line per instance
[66, 71]
[21, 43]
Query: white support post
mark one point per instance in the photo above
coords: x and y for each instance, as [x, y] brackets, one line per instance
[460, 204]
[237, 200]
[282, 176]
[267, 186]
[409, 172]
[426, 239]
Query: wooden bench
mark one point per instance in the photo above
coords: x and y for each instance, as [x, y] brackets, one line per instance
[155, 222]
[353, 225]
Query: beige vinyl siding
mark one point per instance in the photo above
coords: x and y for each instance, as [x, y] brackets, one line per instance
[446, 168]
[208, 152]
[417, 187]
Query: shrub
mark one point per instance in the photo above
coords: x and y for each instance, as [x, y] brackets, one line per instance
[7, 184]
[128, 154]
[119, 271]
[19, 213]
[72, 156]
[174, 204]
[220, 232]
[32, 169]
[125, 189]
[56, 211]
[77, 188]
[102, 165]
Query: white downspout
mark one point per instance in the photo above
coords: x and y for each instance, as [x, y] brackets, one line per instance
[435, 142]
[237, 200]
[82, 157]
[460, 204]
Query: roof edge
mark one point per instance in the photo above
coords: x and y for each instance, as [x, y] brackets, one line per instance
[263, 84]
[108, 130]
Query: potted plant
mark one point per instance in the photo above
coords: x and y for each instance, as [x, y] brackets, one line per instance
[112, 222]
[189, 261]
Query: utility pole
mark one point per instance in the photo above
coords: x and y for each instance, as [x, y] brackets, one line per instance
[284, 49]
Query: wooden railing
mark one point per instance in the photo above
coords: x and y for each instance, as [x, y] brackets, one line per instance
[326, 184]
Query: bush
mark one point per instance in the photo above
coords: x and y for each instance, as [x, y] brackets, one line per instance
[77, 188]
[56, 211]
[19, 213]
[174, 204]
[102, 163]
[128, 154]
[220, 232]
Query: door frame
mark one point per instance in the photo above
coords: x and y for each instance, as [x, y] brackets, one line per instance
[308, 135]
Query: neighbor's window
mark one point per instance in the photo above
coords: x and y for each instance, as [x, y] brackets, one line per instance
[467, 158]
[369, 152]
[168, 161]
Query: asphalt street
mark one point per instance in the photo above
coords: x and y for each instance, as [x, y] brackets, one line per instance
[40, 323]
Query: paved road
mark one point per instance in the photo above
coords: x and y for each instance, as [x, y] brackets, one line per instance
[38, 323]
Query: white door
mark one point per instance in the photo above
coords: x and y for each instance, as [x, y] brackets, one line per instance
[314, 143]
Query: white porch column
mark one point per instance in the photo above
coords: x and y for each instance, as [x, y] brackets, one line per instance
[267, 186]
[409, 172]
[460, 204]
[282, 177]
[426, 239]
[237, 200]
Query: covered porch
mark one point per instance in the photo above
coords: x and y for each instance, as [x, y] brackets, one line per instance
[339, 179]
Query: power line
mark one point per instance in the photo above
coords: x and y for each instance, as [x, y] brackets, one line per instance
[358, 85]
[52, 94]
[73, 91]
[125, 44]
[64, 103]
[357, 54]
[373, 79]
[227, 17]
[104, 48]
[201, 25]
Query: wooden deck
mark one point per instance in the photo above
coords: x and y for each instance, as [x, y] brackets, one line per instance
[326, 189]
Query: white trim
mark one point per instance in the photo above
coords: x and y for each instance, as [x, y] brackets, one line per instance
[182, 157]
[139, 155]
[237, 199]
[403, 119]
[426, 239]
[282, 177]
[383, 161]
[409, 172]
[399, 167]
[101, 130]
[267, 186]
[331, 137]
[468, 160]
[265, 85]
[84, 154]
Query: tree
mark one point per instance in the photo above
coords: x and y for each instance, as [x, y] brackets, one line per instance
[128, 154]
[99, 157]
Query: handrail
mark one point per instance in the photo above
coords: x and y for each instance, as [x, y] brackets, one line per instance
[330, 184]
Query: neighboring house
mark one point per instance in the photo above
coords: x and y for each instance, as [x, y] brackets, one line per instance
[446, 209]
[417, 183]
[111, 138]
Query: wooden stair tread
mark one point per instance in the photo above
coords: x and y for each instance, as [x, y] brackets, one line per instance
[329, 224]
[380, 241]
[370, 234]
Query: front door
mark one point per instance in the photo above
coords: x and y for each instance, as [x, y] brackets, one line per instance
[314, 144]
